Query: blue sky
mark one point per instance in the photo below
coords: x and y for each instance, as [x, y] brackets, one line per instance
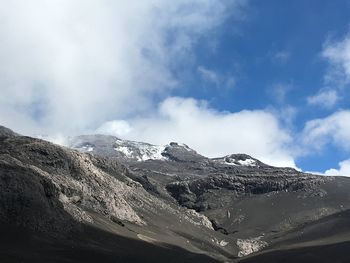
[278, 43]
[267, 78]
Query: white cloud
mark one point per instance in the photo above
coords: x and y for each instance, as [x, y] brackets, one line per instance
[334, 129]
[338, 55]
[208, 74]
[120, 128]
[324, 98]
[279, 91]
[71, 65]
[344, 169]
[213, 133]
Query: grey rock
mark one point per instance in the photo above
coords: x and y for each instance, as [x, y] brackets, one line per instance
[6, 132]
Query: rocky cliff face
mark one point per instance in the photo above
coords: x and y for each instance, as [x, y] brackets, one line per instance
[112, 197]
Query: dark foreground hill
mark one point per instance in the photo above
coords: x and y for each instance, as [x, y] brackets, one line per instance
[120, 201]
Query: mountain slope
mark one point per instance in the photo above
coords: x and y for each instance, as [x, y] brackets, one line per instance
[246, 200]
[57, 195]
[117, 200]
[324, 240]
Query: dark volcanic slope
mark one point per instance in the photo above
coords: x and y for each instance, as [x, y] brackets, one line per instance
[124, 201]
[256, 206]
[60, 205]
[324, 240]
[89, 245]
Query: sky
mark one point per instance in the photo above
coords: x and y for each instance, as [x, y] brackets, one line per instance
[267, 78]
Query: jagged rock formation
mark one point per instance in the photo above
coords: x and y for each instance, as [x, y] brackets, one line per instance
[136, 202]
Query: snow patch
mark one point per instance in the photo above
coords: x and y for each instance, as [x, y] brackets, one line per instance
[140, 151]
[247, 162]
[230, 162]
[151, 152]
[233, 161]
[124, 150]
[86, 148]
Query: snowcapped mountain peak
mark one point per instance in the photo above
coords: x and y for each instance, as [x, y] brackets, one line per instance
[133, 151]
[245, 162]
[239, 160]
[140, 151]
[181, 145]
[112, 146]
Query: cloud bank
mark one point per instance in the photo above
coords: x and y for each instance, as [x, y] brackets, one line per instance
[344, 169]
[69, 66]
[210, 132]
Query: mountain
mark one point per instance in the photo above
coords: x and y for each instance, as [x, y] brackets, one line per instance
[112, 200]
[255, 205]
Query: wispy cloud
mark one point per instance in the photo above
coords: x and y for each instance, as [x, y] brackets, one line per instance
[281, 56]
[209, 75]
[333, 129]
[324, 98]
[337, 53]
[337, 77]
[219, 80]
[279, 91]
[282, 109]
